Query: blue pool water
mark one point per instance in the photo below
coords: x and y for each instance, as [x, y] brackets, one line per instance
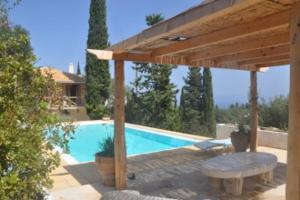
[87, 137]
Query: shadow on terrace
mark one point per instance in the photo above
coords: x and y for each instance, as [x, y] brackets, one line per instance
[175, 173]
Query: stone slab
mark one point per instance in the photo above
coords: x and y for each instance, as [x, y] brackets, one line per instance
[239, 165]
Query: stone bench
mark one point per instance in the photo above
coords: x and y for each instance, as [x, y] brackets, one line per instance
[232, 168]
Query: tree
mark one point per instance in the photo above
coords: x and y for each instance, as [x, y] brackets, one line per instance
[236, 113]
[5, 6]
[190, 102]
[153, 94]
[29, 132]
[274, 113]
[97, 71]
[134, 109]
[208, 103]
[78, 69]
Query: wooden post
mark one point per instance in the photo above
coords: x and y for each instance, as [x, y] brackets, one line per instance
[119, 120]
[254, 113]
[293, 160]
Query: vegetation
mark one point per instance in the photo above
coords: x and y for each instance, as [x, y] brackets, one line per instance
[273, 113]
[209, 119]
[28, 131]
[153, 99]
[97, 72]
[106, 147]
[196, 103]
[233, 114]
[78, 69]
[190, 102]
[243, 129]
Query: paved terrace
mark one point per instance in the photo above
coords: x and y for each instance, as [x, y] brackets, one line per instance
[173, 173]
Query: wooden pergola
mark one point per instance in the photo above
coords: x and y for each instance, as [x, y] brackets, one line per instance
[232, 34]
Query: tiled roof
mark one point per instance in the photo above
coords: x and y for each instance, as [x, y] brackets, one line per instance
[62, 77]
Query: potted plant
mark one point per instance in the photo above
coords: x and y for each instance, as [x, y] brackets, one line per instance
[104, 160]
[240, 139]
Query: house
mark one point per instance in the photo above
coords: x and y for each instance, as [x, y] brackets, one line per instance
[72, 92]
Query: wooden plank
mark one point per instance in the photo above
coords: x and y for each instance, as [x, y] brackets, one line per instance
[119, 123]
[199, 14]
[139, 57]
[240, 46]
[252, 54]
[266, 59]
[293, 160]
[172, 60]
[268, 23]
[254, 112]
[101, 54]
[225, 66]
[274, 64]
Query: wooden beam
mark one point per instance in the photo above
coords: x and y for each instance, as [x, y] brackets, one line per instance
[274, 64]
[254, 112]
[119, 123]
[202, 13]
[252, 54]
[266, 59]
[240, 46]
[101, 54]
[139, 57]
[264, 24]
[172, 60]
[293, 160]
[234, 66]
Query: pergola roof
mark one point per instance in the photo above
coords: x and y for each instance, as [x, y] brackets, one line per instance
[237, 34]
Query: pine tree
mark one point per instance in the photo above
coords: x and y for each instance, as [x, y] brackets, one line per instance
[78, 69]
[97, 71]
[153, 93]
[208, 103]
[190, 102]
[133, 107]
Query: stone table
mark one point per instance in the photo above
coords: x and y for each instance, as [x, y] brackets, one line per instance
[232, 168]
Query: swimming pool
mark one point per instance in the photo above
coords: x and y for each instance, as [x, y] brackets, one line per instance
[87, 138]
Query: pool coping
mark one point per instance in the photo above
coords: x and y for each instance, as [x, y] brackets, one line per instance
[70, 160]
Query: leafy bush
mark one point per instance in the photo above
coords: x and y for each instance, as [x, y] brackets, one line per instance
[274, 113]
[235, 114]
[106, 147]
[243, 129]
[29, 132]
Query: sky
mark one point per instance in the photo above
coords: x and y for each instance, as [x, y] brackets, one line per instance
[58, 30]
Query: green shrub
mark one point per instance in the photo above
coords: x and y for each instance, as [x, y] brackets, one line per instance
[29, 132]
[106, 147]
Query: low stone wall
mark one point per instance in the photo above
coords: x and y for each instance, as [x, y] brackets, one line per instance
[272, 139]
[266, 138]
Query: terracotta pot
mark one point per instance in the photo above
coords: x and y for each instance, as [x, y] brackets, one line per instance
[106, 168]
[239, 141]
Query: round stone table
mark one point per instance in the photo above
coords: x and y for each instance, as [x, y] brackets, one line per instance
[232, 168]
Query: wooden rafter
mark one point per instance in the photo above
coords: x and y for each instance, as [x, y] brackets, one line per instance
[271, 22]
[274, 64]
[266, 59]
[237, 47]
[252, 54]
[183, 21]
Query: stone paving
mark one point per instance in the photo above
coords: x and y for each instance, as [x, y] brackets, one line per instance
[173, 173]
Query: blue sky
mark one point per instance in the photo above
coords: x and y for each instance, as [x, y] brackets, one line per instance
[58, 30]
